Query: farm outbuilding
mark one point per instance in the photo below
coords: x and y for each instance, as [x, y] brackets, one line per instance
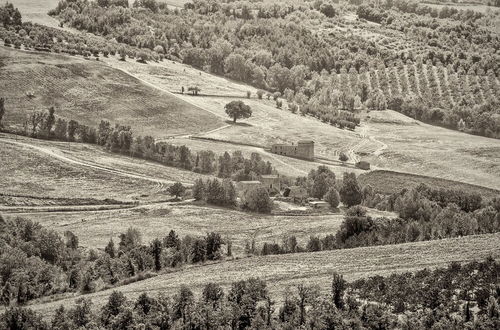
[271, 183]
[320, 205]
[243, 186]
[304, 149]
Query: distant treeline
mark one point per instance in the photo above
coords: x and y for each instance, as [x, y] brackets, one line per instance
[455, 297]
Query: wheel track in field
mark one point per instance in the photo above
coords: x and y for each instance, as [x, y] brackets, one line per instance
[52, 152]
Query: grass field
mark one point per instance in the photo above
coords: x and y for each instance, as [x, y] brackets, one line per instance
[312, 268]
[89, 91]
[422, 149]
[388, 182]
[94, 229]
[40, 168]
[36, 10]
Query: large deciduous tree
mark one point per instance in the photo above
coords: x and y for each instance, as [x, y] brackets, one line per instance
[238, 110]
[350, 192]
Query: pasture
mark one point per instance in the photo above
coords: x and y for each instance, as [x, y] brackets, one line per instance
[418, 148]
[94, 229]
[388, 182]
[387, 139]
[89, 91]
[284, 271]
[40, 168]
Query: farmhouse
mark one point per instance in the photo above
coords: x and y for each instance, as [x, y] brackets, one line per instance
[304, 149]
[271, 183]
[244, 186]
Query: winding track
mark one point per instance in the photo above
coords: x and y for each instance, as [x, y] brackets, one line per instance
[79, 162]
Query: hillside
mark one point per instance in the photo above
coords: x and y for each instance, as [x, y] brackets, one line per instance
[313, 268]
[54, 170]
[388, 182]
[89, 91]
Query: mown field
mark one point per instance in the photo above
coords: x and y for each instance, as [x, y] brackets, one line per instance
[388, 182]
[94, 229]
[312, 268]
[89, 91]
[40, 168]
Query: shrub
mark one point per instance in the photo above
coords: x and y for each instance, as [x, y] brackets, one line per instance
[249, 94]
[260, 93]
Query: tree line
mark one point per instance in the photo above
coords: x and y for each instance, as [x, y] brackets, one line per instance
[424, 213]
[38, 262]
[120, 139]
[457, 296]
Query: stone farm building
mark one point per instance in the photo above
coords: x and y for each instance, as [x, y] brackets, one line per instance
[303, 149]
[270, 182]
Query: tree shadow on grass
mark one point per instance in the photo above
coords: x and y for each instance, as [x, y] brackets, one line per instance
[230, 122]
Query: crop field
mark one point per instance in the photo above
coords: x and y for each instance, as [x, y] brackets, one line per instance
[89, 91]
[422, 149]
[52, 169]
[284, 271]
[387, 182]
[94, 229]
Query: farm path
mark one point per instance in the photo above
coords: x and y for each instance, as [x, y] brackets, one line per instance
[80, 162]
[364, 129]
[168, 92]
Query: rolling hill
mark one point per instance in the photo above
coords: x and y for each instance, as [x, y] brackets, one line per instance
[89, 91]
[314, 268]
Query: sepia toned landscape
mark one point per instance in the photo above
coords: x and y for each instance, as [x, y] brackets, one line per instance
[213, 164]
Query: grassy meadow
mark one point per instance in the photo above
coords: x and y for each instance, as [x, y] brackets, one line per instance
[89, 91]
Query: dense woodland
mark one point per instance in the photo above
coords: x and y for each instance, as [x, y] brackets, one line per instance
[457, 297]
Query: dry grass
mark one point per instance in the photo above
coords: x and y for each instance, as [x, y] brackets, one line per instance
[89, 91]
[36, 11]
[422, 149]
[388, 182]
[94, 229]
[31, 167]
[314, 268]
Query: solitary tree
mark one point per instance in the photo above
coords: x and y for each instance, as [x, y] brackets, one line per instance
[237, 110]
[177, 189]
